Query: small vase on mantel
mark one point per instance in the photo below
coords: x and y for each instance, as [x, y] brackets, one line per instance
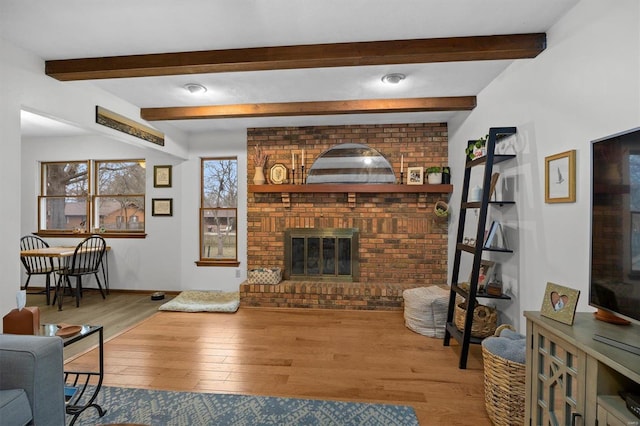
[258, 177]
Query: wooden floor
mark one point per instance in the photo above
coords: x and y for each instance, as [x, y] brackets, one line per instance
[118, 312]
[324, 354]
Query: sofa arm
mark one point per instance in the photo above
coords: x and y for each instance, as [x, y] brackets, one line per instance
[35, 364]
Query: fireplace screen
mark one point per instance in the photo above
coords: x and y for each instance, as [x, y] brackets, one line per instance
[321, 254]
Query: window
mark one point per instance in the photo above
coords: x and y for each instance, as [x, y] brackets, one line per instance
[119, 199]
[218, 212]
[70, 204]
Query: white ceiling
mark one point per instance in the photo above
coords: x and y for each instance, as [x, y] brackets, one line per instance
[66, 29]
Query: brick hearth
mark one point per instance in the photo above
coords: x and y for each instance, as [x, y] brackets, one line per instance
[326, 295]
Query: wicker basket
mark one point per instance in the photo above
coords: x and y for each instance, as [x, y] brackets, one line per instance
[485, 319]
[504, 387]
[265, 276]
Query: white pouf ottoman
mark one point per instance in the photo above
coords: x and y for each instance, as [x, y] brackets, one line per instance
[425, 310]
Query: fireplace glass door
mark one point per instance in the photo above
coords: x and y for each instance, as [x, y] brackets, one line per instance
[321, 254]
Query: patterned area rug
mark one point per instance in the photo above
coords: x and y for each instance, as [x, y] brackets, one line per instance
[203, 301]
[150, 407]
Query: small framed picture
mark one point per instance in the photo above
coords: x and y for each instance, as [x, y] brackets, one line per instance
[278, 174]
[560, 177]
[162, 176]
[162, 207]
[486, 269]
[560, 303]
[415, 175]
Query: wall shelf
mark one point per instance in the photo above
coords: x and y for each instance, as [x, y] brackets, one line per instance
[285, 190]
[352, 188]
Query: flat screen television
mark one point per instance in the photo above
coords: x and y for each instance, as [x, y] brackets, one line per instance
[615, 230]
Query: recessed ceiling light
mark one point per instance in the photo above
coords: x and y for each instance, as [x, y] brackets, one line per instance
[393, 78]
[195, 88]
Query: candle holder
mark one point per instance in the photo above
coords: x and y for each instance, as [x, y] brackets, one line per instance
[401, 178]
[293, 176]
[302, 175]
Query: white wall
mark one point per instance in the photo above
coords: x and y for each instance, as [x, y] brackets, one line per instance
[9, 175]
[584, 86]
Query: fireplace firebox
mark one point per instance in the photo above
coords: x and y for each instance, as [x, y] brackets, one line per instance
[324, 254]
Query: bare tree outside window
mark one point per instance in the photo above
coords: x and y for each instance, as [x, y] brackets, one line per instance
[119, 203]
[117, 189]
[218, 212]
[64, 203]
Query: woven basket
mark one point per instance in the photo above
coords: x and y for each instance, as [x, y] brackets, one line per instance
[485, 319]
[264, 276]
[504, 387]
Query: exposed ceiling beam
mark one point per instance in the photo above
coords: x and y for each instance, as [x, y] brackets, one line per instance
[514, 46]
[366, 106]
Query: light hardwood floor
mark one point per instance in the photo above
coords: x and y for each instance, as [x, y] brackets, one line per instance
[118, 312]
[325, 354]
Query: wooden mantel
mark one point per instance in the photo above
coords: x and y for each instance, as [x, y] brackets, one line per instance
[351, 189]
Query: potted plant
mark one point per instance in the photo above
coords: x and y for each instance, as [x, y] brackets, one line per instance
[478, 148]
[441, 211]
[434, 175]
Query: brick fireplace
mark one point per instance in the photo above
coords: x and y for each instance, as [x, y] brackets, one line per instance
[400, 246]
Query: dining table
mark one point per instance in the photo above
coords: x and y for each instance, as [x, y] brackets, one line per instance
[62, 253]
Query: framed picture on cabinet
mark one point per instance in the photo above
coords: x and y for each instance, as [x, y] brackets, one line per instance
[162, 207]
[560, 178]
[415, 175]
[162, 176]
[560, 303]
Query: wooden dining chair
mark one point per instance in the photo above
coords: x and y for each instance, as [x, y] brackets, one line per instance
[86, 260]
[37, 265]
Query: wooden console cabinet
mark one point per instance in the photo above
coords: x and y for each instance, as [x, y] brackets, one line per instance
[567, 370]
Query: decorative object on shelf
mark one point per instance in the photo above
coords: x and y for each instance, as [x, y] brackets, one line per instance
[485, 319]
[350, 163]
[264, 276]
[486, 269]
[496, 237]
[503, 356]
[259, 160]
[162, 207]
[446, 175]
[494, 289]
[434, 175]
[401, 169]
[441, 211]
[162, 176]
[278, 174]
[559, 303]
[476, 194]
[560, 177]
[476, 149]
[415, 175]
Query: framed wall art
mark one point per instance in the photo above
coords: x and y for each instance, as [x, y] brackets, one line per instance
[123, 124]
[162, 176]
[162, 207]
[560, 178]
[415, 175]
[560, 303]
